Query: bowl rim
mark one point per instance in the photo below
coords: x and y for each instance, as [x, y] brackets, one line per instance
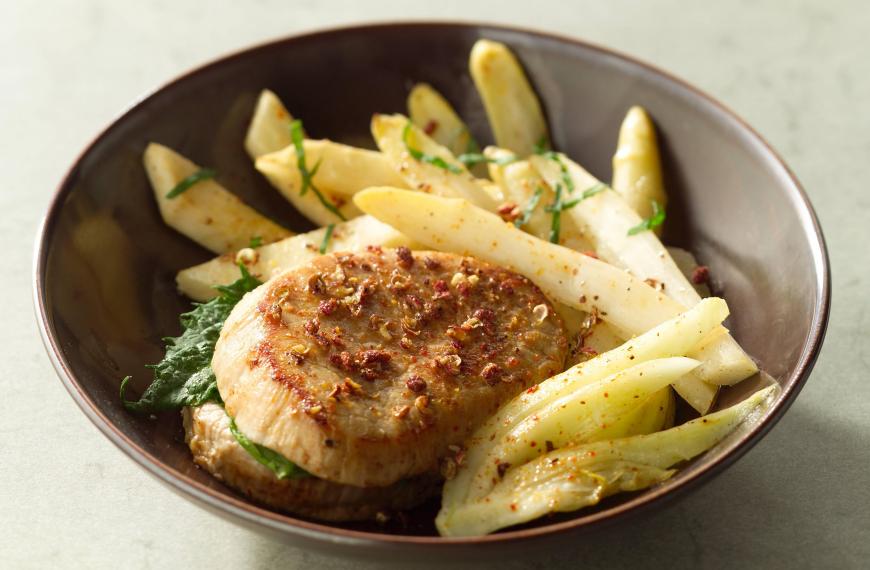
[249, 512]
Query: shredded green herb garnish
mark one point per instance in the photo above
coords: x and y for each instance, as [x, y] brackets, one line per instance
[558, 206]
[255, 242]
[282, 467]
[529, 208]
[588, 193]
[542, 146]
[554, 156]
[326, 237]
[654, 221]
[474, 158]
[297, 135]
[184, 185]
[421, 156]
[184, 377]
[472, 147]
[556, 209]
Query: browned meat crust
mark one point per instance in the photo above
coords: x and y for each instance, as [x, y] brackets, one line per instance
[368, 368]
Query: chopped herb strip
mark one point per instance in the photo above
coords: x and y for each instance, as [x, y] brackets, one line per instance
[282, 467]
[588, 193]
[474, 158]
[326, 237]
[558, 206]
[543, 150]
[529, 208]
[566, 177]
[542, 146]
[297, 134]
[255, 242]
[184, 377]
[184, 185]
[556, 209]
[421, 156]
[472, 147]
[654, 221]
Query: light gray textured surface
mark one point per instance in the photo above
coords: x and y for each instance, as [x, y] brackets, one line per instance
[799, 72]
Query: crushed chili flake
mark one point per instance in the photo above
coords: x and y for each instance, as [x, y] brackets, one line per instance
[588, 351]
[368, 357]
[415, 383]
[328, 306]
[700, 275]
[491, 371]
[342, 360]
[509, 211]
[404, 257]
[431, 263]
[430, 127]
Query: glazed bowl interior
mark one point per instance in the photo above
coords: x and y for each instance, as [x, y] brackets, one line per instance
[106, 262]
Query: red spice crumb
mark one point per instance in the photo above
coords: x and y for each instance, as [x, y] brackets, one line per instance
[374, 249]
[342, 360]
[491, 371]
[415, 384]
[509, 211]
[532, 390]
[328, 306]
[502, 467]
[464, 288]
[701, 274]
[431, 263]
[591, 254]
[404, 257]
[442, 289]
[430, 127]
[589, 351]
[533, 444]
[414, 301]
[368, 357]
[513, 506]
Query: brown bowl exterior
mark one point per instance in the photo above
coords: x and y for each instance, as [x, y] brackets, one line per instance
[105, 262]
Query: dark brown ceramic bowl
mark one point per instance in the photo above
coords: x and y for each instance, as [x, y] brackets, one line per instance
[105, 262]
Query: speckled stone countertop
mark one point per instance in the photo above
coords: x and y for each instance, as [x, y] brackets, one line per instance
[799, 72]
